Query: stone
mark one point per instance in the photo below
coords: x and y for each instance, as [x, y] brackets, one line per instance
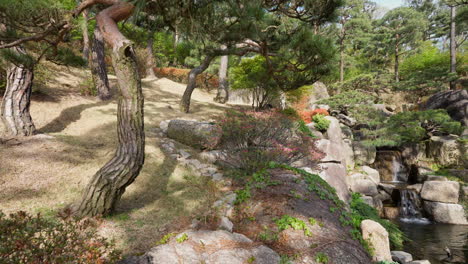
[184, 154]
[319, 92]
[346, 120]
[446, 213]
[377, 237]
[455, 102]
[436, 178]
[415, 187]
[460, 173]
[465, 191]
[420, 262]
[445, 150]
[440, 191]
[348, 153]
[364, 155]
[217, 176]
[334, 133]
[225, 224]
[372, 173]
[401, 257]
[362, 184]
[368, 200]
[314, 131]
[199, 135]
[335, 175]
[163, 125]
[346, 132]
[332, 151]
[391, 212]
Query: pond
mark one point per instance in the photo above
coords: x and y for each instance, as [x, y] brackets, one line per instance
[428, 241]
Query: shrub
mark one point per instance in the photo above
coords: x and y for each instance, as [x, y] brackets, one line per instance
[320, 122]
[87, 87]
[254, 139]
[307, 115]
[28, 239]
[361, 211]
[412, 127]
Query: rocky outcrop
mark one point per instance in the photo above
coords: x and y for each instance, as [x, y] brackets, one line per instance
[210, 247]
[335, 175]
[446, 213]
[200, 135]
[377, 237]
[446, 150]
[455, 102]
[440, 191]
[319, 92]
[363, 184]
[295, 200]
[364, 155]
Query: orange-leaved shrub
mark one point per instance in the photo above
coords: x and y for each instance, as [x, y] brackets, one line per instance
[205, 80]
[34, 239]
[252, 140]
[307, 115]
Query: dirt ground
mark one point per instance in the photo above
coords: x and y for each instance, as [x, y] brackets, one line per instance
[46, 172]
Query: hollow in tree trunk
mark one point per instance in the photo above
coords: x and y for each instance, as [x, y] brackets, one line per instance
[192, 83]
[17, 98]
[223, 88]
[108, 184]
[98, 66]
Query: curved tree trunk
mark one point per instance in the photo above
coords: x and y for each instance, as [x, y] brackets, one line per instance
[98, 66]
[17, 98]
[223, 88]
[192, 83]
[108, 184]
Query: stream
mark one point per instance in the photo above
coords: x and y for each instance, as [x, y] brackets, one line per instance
[428, 241]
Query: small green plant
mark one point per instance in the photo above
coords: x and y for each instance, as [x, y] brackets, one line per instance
[268, 235]
[321, 123]
[312, 221]
[165, 239]
[87, 87]
[251, 260]
[321, 258]
[182, 238]
[242, 195]
[287, 221]
[285, 259]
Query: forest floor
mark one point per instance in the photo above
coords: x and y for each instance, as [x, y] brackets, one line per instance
[47, 172]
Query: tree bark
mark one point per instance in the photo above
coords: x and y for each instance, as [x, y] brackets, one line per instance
[98, 66]
[149, 49]
[84, 28]
[397, 51]
[17, 98]
[453, 45]
[108, 184]
[223, 87]
[192, 83]
[341, 61]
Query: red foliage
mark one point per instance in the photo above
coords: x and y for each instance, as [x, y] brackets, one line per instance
[204, 80]
[307, 115]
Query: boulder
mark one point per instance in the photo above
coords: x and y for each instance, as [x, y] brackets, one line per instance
[334, 133]
[319, 92]
[446, 213]
[314, 131]
[415, 187]
[420, 262]
[455, 102]
[368, 200]
[333, 151]
[373, 174]
[362, 184]
[436, 178]
[346, 120]
[363, 155]
[391, 212]
[441, 191]
[335, 175]
[377, 237]
[445, 150]
[348, 153]
[401, 257]
[210, 247]
[201, 135]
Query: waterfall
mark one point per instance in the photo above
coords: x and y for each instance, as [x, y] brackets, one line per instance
[410, 207]
[390, 165]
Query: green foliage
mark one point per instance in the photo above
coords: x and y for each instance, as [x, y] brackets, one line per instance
[243, 195]
[321, 123]
[361, 211]
[287, 221]
[34, 239]
[165, 239]
[412, 127]
[321, 258]
[19, 59]
[66, 57]
[306, 130]
[349, 98]
[87, 87]
[182, 238]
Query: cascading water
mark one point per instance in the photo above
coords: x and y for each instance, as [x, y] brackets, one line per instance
[390, 165]
[410, 207]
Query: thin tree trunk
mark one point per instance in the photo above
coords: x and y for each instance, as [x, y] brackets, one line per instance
[108, 184]
[341, 61]
[84, 28]
[17, 98]
[453, 45]
[192, 83]
[397, 50]
[223, 92]
[149, 49]
[98, 66]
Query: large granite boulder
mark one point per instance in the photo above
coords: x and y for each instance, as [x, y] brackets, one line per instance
[201, 135]
[335, 175]
[446, 213]
[334, 133]
[364, 155]
[319, 92]
[441, 191]
[210, 247]
[401, 257]
[377, 237]
[446, 150]
[455, 102]
[363, 184]
[373, 174]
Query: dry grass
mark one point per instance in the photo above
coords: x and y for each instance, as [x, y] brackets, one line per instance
[43, 174]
